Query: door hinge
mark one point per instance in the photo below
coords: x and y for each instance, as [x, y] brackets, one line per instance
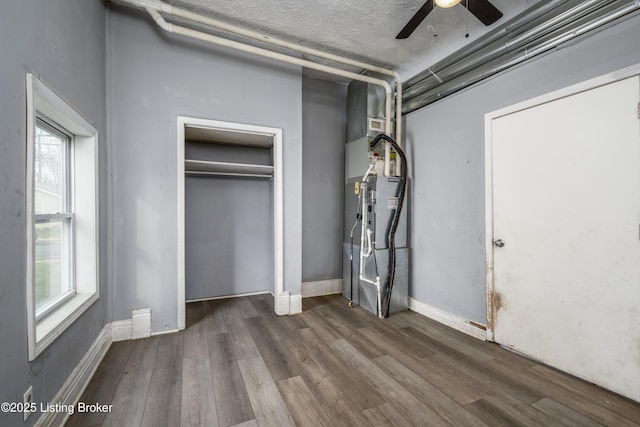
[639, 110]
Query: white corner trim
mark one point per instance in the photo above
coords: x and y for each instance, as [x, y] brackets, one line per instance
[282, 303]
[140, 323]
[139, 326]
[448, 319]
[77, 382]
[295, 304]
[121, 330]
[321, 287]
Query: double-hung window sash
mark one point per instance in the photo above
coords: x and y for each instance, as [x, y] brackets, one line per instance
[54, 217]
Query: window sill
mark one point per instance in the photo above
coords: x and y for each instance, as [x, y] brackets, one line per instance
[49, 328]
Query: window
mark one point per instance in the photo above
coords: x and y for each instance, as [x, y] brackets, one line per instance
[62, 215]
[54, 281]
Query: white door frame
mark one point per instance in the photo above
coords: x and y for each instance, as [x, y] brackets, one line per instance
[278, 201]
[493, 302]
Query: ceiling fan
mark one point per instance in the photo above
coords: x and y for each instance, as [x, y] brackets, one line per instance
[481, 9]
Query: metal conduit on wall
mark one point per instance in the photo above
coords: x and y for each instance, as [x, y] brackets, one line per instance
[529, 34]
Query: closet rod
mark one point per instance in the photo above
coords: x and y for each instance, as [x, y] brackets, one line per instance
[248, 175]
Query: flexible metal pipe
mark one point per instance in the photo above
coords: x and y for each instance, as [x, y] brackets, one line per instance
[558, 23]
[587, 23]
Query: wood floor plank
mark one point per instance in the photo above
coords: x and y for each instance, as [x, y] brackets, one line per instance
[416, 412]
[103, 385]
[267, 403]
[353, 384]
[278, 361]
[238, 364]
[492, 415]
[402, 349]
[198, 397]
[563, 415]
[232, 401]
[129, 399]
[522, 412]
[597, 395]
[143, 355]
[361, 340]
[303, 406]
[213, 316]
[343, 314]
[163, 404]
[443, 405]
[293, 322]
[250, 423]
[243, 344]
[385, 415]
[459, 341]
[246, 308]
[451, 384]
[262, 305]
[316, 323]
[341, 410]
[566, 397]
[195, 345]
[488, 379]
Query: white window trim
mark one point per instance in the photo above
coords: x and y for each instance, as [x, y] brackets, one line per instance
[41, 99]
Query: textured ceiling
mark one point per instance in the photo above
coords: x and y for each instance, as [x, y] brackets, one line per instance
[361, 29]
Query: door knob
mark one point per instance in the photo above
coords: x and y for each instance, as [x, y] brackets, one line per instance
[499, 243]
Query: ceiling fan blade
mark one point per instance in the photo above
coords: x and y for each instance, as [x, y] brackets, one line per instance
[416, 20]
[483, 10]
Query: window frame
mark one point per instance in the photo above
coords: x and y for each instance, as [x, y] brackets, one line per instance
[66, 217]
[83, 185]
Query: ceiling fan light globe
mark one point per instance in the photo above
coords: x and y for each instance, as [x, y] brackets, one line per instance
[447, 3]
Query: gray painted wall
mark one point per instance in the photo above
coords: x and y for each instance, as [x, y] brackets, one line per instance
[63, 42]
[228, 226]
[155, 77]
[324, 122]
[445, 142]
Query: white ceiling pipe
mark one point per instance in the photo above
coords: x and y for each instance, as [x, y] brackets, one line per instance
[176, 29]
[182, 13]
[265, 38]
[163, 7]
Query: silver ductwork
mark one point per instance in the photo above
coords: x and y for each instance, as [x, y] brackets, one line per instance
[531, 33]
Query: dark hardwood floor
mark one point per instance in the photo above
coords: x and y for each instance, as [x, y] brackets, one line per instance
[237, 364]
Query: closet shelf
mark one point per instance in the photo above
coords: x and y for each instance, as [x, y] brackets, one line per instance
[204, 167]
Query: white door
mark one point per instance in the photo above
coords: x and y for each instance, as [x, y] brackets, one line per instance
[566, 204]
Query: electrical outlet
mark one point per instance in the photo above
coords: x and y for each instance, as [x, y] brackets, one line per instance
[27, 399]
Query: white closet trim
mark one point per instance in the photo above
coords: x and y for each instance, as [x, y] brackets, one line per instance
[281, 297]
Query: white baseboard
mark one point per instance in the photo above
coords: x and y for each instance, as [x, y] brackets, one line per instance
[245, 294]
[281, 303]
[321, 287]
[286, 304]
[140, 323]
[139, 326]
[295, 304]
[77, 382]
[122, 330]
[449, 319]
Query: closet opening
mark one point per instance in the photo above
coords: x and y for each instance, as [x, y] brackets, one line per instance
[230, 211]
